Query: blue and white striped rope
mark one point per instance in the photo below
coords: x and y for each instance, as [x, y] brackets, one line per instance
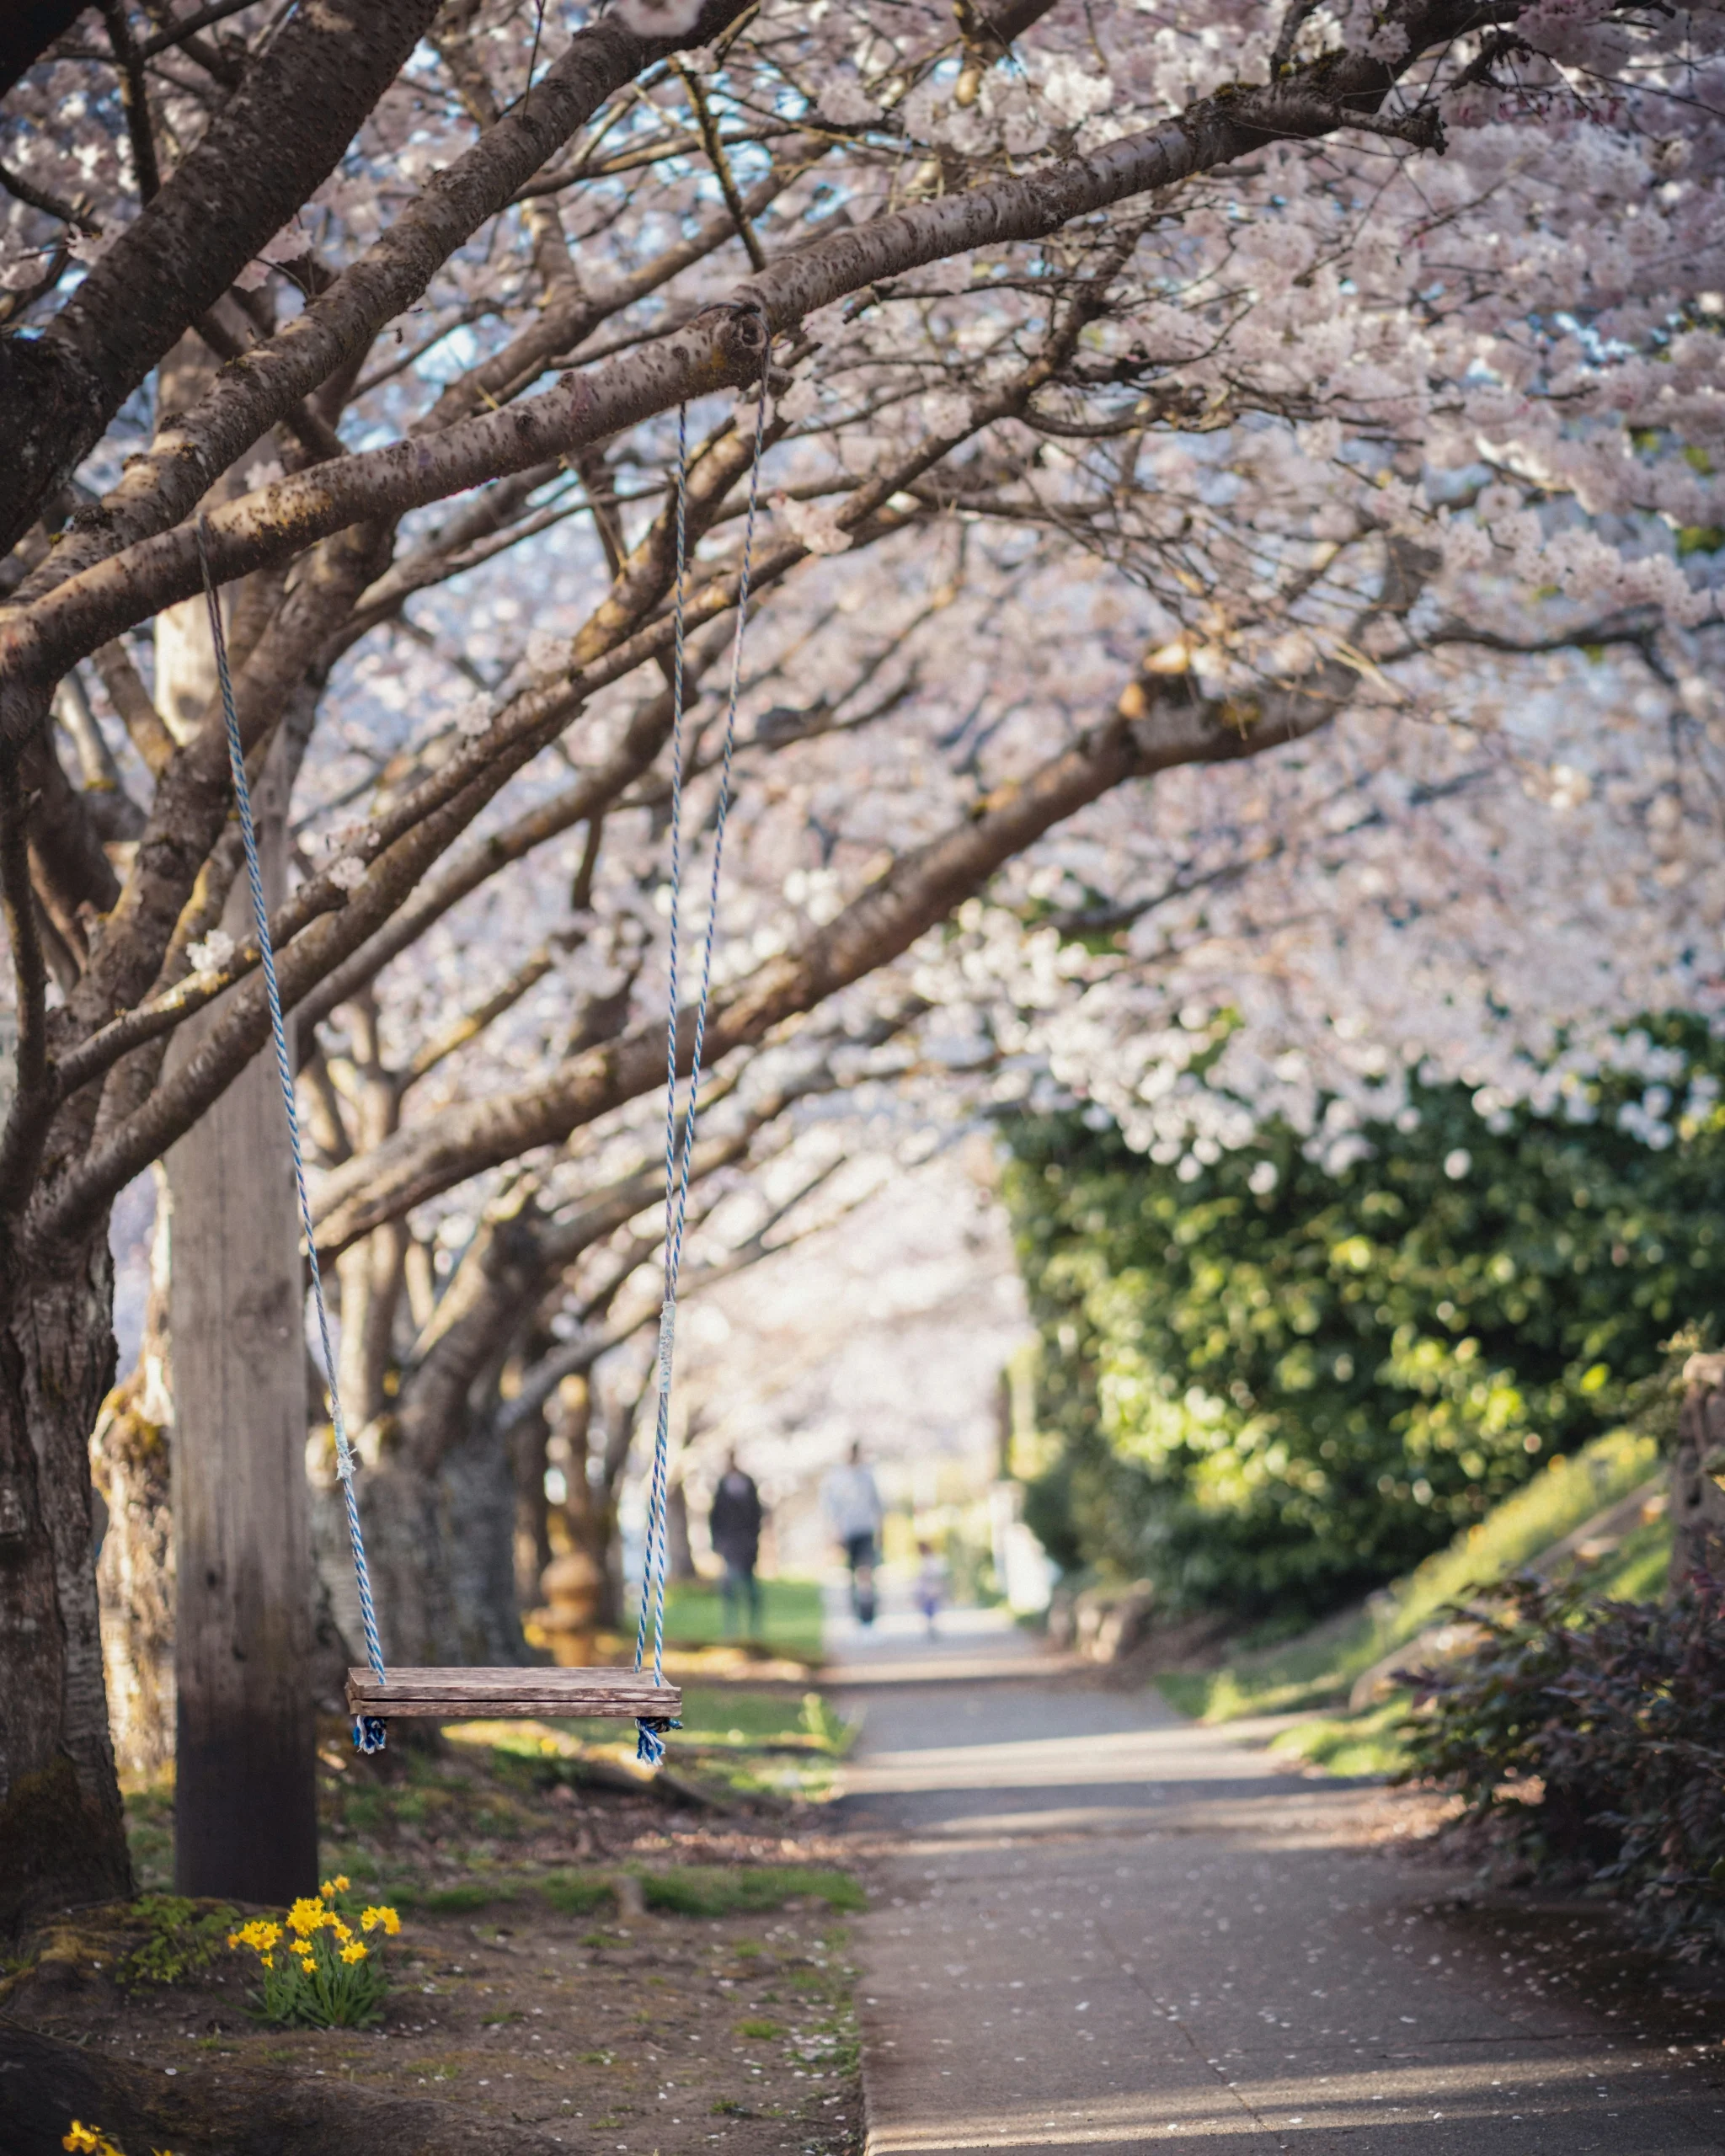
[649, 1747]
[368, 1732]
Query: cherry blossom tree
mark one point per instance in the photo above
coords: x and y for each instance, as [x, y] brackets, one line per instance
[1146, 395]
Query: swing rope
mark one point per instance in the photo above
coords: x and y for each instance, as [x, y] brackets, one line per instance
[649, 1749]
[368, 1731]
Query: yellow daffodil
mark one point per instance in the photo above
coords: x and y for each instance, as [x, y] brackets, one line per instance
[306, 1916]
[373, 1916]
[267, 1959]
[355, 1952]
[341, 1931]
[83, 2140]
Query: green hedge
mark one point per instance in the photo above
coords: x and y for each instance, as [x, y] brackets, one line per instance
[1271, 1386]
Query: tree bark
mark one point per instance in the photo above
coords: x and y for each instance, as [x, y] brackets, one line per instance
[63, 1834]
[441, 1547]
[680, 1551]
[529, 1447]
[265, 152]
[245, 1818]
[130, 1466]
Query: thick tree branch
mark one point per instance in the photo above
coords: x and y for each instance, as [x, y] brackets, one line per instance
[339, 326]
[921, 889]
[711, 352]
[265, 152]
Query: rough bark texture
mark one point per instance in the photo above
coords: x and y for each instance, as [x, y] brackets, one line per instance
[265, 152]
[131, 1466]
[61, 1824]
[245, 1810]
[529, 1444]
[1697, 1496]
[440, 1546]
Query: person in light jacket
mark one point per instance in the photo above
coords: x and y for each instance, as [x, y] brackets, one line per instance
[853, 1513]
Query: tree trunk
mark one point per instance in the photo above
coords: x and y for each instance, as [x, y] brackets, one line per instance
[478, 1490]
[63, 1834]
[530, 1445]
[130, 1464]
[441, 1548]
[680, 1555]
[245, 1816]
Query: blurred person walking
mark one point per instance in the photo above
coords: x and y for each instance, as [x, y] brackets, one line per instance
[931, 1584]
[734, 1529]
[853, 1513]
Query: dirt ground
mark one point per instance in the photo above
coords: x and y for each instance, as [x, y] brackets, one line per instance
[539, 1996]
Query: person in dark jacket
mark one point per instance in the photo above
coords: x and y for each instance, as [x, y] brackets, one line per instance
[733, 1527]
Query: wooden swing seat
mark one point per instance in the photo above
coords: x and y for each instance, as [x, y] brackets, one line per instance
[485, 1694]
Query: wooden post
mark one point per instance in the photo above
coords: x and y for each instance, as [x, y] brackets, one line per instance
[1697, 1499]
[245, 1811]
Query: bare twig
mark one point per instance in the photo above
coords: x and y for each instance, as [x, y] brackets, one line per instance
[201, 18]
[133, 99]
[51, 206]
[722, 168]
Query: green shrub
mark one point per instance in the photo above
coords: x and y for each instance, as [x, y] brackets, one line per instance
[1588, 1737]
[1321, 1665]
[1269, 1385]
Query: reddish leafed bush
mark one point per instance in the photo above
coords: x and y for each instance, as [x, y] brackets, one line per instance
[1588, 1737]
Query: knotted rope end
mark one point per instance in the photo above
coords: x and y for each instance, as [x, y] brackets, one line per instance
[649, 1741]
[370, 1734]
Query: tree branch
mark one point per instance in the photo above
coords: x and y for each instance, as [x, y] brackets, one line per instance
[722, 168]
[134, 99]
[339, 326]
[921, 889]
[136, 707]
[33, 1101]
[711, 352]
[274, 141]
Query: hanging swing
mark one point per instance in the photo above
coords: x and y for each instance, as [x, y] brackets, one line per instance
[377, 1695]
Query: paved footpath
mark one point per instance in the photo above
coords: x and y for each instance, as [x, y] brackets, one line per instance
[1104, 1928]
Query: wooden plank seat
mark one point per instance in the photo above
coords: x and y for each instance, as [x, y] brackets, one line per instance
[482, 1694]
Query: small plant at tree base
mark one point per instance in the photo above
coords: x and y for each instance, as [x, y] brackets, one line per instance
[183, 1938]
[315, 1970]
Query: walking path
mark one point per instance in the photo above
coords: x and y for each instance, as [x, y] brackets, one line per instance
[1104, 1928]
